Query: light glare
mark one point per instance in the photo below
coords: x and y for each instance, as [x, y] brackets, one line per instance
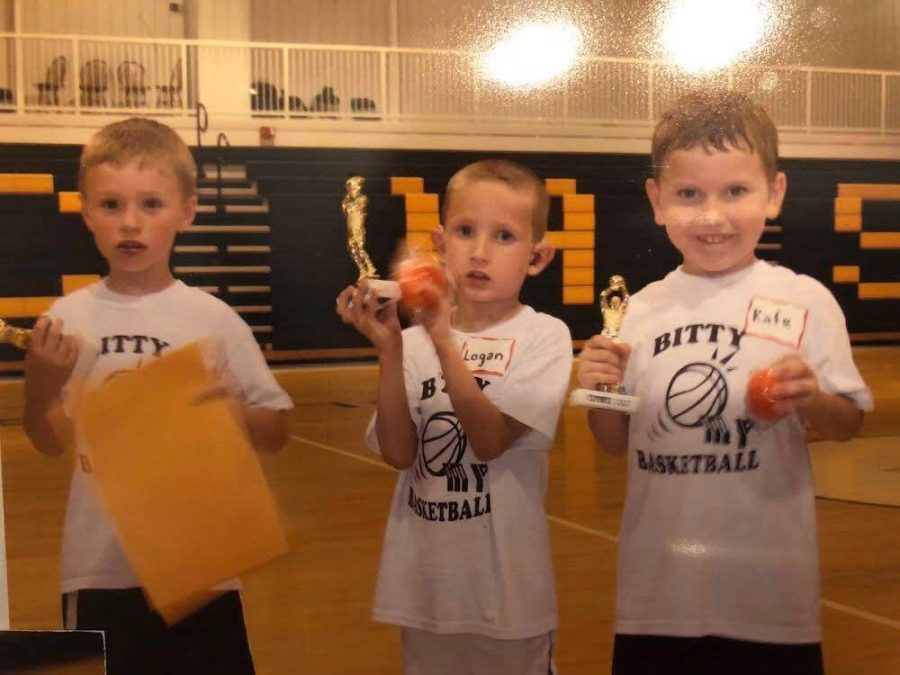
[706, 35]
[533, 54]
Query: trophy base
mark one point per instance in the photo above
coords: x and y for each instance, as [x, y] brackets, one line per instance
[604, 400]
[384, 289]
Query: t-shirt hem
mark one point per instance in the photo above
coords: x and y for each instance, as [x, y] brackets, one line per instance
[454, 627]
[92, 583]
[738, 631]
[120, 583]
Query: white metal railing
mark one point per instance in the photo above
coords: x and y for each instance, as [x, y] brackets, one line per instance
[88, 74]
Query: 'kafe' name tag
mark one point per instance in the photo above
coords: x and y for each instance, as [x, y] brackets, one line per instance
[775, 320]
[490, 356]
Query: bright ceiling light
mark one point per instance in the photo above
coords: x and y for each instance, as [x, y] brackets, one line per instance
[533, 54]
[706, 35]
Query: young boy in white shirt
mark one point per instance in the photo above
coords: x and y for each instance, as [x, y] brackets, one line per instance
[718, 565]
[468, 402]
[138, 188]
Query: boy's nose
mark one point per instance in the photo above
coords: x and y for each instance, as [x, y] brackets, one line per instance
[130, 219]
[712, 215]
[479, 249]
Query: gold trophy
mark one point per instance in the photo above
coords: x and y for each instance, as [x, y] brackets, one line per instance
[613, 304]
[17, 337]
[354, 206]
[21, 338]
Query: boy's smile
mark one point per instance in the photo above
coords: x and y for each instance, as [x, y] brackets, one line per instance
[714, 206]
[134, 212]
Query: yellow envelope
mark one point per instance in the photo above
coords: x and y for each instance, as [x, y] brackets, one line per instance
[180, 479]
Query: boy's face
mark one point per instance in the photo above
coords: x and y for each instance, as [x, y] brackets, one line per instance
[488, 243]
[714, 206]
[134, 213]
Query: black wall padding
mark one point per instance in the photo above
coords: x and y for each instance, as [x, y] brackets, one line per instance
[310, 264]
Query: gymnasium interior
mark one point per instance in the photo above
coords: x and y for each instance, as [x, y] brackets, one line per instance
[281, 100]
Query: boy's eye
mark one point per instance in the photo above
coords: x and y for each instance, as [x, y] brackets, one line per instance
[464, 230]
[687, 193]
[109, 204]
[152, 203]
[505, 235]
[737, 190]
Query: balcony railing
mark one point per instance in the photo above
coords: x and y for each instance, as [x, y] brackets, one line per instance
[81, 75]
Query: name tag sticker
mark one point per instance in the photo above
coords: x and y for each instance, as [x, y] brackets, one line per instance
[777, 321]
[489, 356]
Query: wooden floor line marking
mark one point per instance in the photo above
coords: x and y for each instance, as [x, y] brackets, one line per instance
[830, 604]
[862, 614]
[582, 528]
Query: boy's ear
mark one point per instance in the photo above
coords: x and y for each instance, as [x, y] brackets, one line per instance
[437, 239]
[541, 256]
[777, 190]
[652, 189]
[190, 210]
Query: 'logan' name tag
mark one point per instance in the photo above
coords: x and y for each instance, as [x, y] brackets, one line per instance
[774, 320]
[490, 356]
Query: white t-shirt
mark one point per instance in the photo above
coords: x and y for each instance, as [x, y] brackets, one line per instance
[129, 330]
[466, 548]
[718, 533]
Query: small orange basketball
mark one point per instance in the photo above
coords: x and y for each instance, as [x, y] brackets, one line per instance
[759, 396]
[422, 282]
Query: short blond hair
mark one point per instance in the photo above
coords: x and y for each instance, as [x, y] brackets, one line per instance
[144, 141]
[715, 118]
[512, 174]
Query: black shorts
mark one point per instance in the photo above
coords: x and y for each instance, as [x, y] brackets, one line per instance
[211, 641]
[710, 655]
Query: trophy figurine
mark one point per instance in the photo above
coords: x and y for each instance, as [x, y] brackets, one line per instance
[17, 337]
[613, 303]
[88, 349]
[354, 207]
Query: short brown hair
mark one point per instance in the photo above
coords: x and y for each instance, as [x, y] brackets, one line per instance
[144, 141]
[715, 118]
[512, 174]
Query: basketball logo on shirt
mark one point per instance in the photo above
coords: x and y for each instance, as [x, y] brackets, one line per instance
[697, 393]
[696, 398]
[443, 443]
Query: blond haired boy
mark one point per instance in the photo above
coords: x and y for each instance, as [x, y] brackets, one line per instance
[468, 402]
[137, 180]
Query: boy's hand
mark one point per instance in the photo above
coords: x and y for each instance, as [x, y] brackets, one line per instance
[435, 318]
[796, 386]
[602, 362]
[50, 359]
[378, 322]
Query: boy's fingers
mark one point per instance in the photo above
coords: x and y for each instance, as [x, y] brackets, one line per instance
[596, 380]
[793, 389]
[598, 355]
[599, 342]
[793, 369]
[594, 368]
[55, 337]
[39, 332]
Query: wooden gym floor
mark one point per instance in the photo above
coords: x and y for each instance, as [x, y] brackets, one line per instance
[309, 611]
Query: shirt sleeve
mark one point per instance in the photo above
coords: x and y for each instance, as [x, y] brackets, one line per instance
[829, 355]
[246, 373]
[534, 388]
